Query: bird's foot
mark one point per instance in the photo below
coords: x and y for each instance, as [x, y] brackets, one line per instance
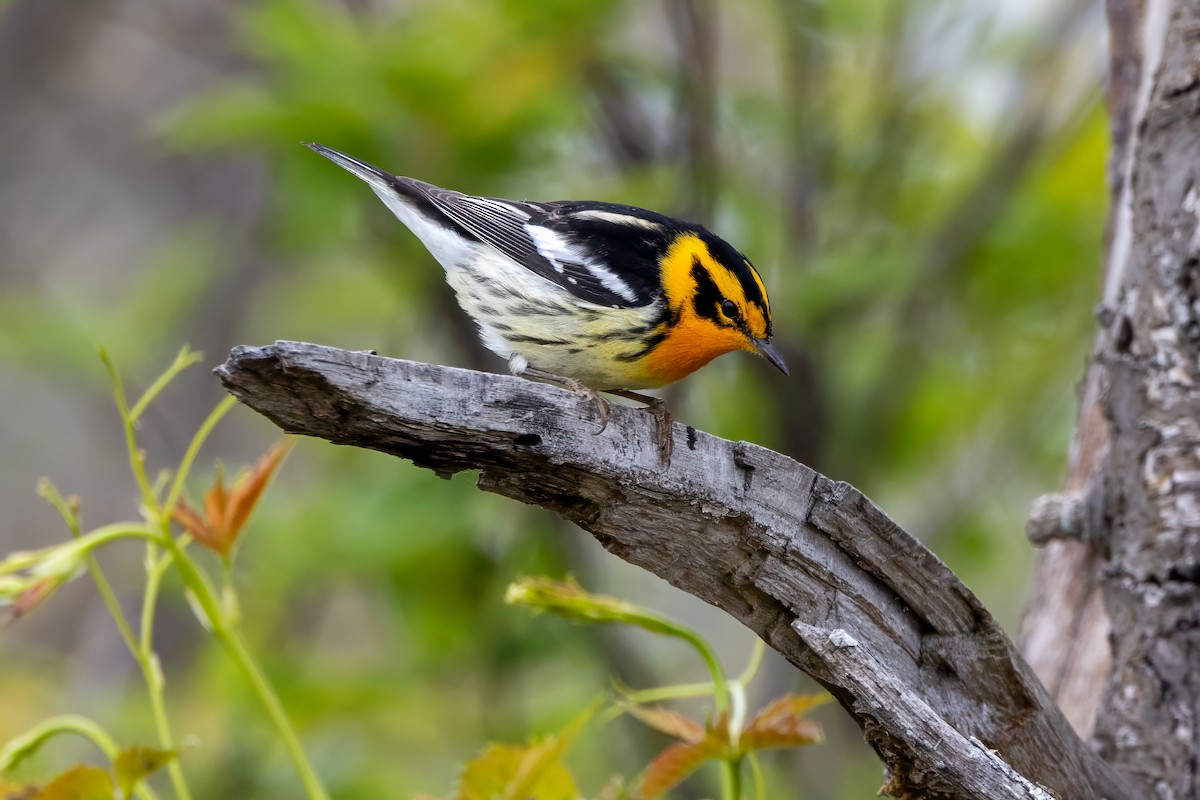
[599, 402]
[591, 394]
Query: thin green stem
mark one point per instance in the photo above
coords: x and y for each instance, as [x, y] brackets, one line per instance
[145, 655]
[677, 692]
[720, 685]
[182, 361]
[160, 482]
[137, 463]
[228, 635]
[189, 457]
[107, 534]
[111, 603]
[182, 541]
[150, 600]
[275, 711]
[643, 697]
[70, 516]
[730, 768]
[229, 599]
[756, 657]
[36, 736]
[220, 623]
[152, 670]
[760, 782]
[731, 779]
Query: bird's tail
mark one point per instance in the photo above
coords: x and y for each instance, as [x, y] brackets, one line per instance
[377, 178]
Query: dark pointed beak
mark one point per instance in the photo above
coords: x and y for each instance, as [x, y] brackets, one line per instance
[768, 351]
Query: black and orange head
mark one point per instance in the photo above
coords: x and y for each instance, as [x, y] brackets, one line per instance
[718, 296]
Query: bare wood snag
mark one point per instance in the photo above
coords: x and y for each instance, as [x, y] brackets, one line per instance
[809, 564]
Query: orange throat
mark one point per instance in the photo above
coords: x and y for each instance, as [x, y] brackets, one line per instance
[692, 343]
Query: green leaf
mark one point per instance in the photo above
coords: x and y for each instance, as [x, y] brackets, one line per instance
[517, 772]
[514, 772]
[79, 783]
[570, 600]
[27, 578]
[133, 764]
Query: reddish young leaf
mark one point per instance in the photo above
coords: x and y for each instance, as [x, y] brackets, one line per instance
[190, 520]
[672, 723]
[17, 791]
[781, 724]
[215, 503]
[782, 732]
[30, 599]
[246, 490]
[790, 705]
[679, 761]
[226, 511]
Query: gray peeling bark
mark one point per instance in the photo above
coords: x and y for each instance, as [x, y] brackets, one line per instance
[1124, 600]
[1147, 724]
[809, 564]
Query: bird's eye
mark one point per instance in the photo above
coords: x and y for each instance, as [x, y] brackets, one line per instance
[730, 310]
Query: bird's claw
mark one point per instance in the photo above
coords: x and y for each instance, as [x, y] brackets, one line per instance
[601, 405]
[519, 366]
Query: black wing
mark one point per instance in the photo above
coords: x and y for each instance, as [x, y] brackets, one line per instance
[602, 253]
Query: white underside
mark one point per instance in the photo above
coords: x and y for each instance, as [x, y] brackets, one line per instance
[497, 292]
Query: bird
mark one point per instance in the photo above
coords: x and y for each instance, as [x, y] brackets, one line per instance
[590, 295]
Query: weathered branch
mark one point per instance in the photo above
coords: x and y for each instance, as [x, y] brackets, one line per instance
[809, 564]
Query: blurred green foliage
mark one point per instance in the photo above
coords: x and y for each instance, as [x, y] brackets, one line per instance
[920, 183]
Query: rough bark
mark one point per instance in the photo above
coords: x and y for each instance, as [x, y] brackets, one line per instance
[809, 564]
[1114, 625]
[1151, 704]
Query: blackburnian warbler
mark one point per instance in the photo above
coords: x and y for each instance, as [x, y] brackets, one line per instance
[591, 295]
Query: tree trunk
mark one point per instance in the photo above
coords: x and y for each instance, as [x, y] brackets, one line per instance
[1113, 627]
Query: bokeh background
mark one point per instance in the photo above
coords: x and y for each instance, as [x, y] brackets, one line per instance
[920, 183]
